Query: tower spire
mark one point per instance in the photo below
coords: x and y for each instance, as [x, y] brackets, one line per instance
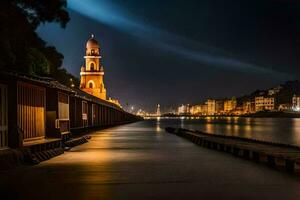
[92, 73]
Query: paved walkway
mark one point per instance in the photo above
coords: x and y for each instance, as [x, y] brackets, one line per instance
[141, 161]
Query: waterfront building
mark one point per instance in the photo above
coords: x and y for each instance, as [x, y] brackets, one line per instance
[204, 109]
[211, 106]
[219, 107]
[248, 107]
[230, 105]
[274, 90]
[296, 103]
[264, 103]
[285, 107]
[40, 113]
[158, 114]
[238, 110]
[183, 109]
[195, 110]
[92, 73]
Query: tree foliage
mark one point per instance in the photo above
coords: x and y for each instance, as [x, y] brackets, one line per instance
[21, 49]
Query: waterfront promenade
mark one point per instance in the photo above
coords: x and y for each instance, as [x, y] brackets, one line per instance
[142, 161]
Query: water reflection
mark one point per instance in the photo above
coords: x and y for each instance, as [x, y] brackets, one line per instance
[157, 127]
[283, 130]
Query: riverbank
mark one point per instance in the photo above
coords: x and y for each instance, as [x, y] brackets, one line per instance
[275, 155]
[277, 114]
[262, 114]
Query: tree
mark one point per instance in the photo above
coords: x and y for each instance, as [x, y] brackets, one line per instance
[37, 62]
[43, 11]
[21, 49]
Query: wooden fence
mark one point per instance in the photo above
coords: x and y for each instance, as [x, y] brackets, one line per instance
[63, 112]
[3, 116]
[31, 110]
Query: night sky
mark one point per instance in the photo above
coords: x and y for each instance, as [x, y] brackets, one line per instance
[172, 52]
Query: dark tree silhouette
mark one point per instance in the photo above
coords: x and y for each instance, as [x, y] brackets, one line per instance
[21, 49]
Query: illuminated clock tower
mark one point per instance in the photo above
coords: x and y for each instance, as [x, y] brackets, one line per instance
[92, 73]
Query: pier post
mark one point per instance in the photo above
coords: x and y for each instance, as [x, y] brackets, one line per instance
[290, 166]
[246, 153]
[271, 161]
[255, 156]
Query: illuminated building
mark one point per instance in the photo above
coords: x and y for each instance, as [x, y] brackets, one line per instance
[92, 72]
[115, 101]
[238, 110]
[230, 105]
[204, 109]
[264, 103]
[211, 106]
[286, 107]
[195, 110]
[274, 90]
[219, 107]
[248, 107]
[296, 103]
[184, 109]
[158, 110]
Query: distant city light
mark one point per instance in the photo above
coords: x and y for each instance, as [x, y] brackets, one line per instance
[297, 108]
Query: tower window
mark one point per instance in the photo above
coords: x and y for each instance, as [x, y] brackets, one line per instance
[91, 85]
[92, 66]
[92, 51]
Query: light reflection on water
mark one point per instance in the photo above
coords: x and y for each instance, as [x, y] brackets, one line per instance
[283, 130]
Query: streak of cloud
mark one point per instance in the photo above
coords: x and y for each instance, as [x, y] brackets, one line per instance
[105, 12]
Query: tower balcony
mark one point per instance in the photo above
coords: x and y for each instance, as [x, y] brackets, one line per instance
[94, 72]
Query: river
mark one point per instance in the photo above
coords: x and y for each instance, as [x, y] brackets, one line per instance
[280, 130]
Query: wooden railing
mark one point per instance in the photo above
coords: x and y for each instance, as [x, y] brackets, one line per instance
[64, 126]
[3, 116]
[31, 110]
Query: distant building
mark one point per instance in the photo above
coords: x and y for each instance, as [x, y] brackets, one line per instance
[296, 103]
[264, 103]
[248, 107]
[211, 106]
[195, 110]
[230, 105]
[238, 110]
[92, 72]
[183, 109]
[219, 107]
[141, 113]
[274, 90]
[158, 110]
[204, 109]
[285, 107]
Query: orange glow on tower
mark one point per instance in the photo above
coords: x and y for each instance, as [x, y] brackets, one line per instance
[92, 73]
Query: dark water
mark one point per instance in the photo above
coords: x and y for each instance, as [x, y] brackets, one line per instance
[282, 130]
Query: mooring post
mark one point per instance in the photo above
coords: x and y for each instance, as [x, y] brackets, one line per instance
[255, 156]
[271, 161]
[290, 165]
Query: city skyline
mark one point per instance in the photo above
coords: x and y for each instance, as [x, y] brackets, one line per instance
[147, 63]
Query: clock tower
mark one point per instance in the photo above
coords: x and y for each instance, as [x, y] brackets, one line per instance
[92, 73]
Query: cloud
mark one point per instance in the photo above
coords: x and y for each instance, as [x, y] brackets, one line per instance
[107, 13]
